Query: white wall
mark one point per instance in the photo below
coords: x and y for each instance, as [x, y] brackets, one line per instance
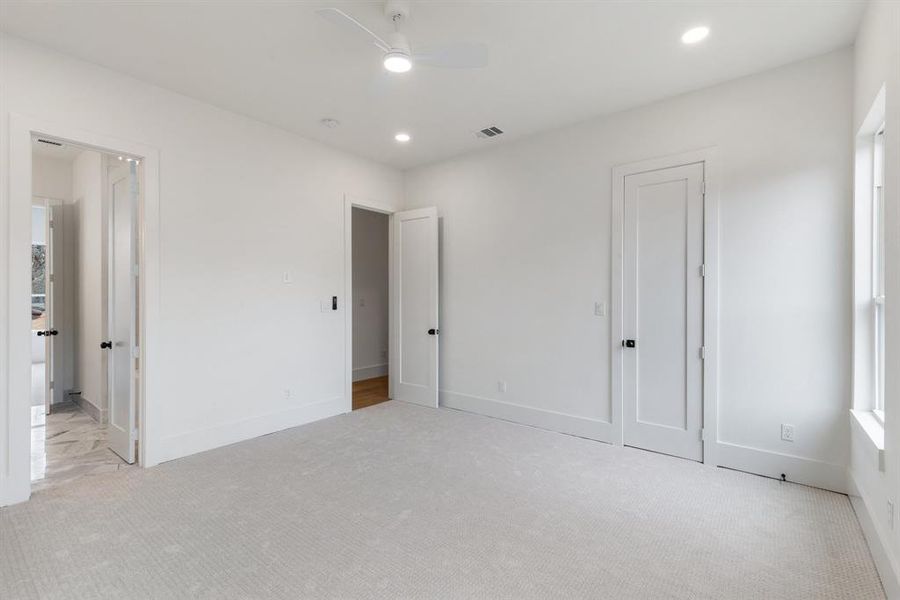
[241, 203]
[877, 64]
[88, 193]
[370, 294]
[51, 178]
[526, 253]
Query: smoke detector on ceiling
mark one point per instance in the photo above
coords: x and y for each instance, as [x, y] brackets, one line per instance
[489, 132]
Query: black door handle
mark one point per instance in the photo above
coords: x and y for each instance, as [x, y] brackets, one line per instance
[52, 332]
[433, 331]
[628, 343]
[42, 333]
[105, 345]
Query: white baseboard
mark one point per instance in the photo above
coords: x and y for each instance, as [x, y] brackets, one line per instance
[884, 563]
[807, 471]
[369, 372]
[536, 417]
[93, 411]
[185, 444]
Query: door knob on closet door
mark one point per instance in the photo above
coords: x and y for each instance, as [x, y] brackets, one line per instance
[42, 333]
[52, 332]
[433, 331]
[106, 345]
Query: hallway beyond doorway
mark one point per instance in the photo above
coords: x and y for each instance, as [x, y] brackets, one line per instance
[67, 445]
[370, 392]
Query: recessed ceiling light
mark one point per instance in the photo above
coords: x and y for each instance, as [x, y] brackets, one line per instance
[329, 123]
[402, 137]
[397, 62]
[695, 34]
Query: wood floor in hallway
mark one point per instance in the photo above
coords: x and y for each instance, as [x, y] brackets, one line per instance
[370, 392]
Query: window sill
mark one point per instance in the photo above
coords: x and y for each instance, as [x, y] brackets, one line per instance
[870, 429]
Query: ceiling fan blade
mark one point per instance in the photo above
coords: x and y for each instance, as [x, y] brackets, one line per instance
[453, 56]
[348, 23]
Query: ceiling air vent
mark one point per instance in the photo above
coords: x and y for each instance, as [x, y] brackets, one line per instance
[489, 132]
[51, 142]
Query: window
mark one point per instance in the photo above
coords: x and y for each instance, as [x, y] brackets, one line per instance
[878, 269]
[38, 267]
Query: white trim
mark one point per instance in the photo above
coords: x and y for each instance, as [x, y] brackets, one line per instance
[15, 430]
[363, 373]
[888, 570]
[585, 427]
[871, 430]
[796, 469]
[201, 440]
[710, 159]
[351, 201]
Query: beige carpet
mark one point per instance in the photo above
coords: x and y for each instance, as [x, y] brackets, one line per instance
[399, 501]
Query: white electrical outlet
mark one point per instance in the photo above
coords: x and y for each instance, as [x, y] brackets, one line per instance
[787, 432]
[501, 386]
[287, 394]
[600, 309]
[287, 277]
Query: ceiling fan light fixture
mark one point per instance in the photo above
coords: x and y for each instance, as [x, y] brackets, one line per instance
[397, 62]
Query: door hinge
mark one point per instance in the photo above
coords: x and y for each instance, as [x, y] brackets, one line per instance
[135, 270]
[136, 352]
[703, 352]
[703, 187]
[702, 434]
[703, 270]
[51, 223]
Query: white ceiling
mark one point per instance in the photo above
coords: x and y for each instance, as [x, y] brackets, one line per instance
[552, 62]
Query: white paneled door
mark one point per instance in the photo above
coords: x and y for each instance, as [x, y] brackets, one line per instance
[123, 206]
[663, 311]
[414, 322]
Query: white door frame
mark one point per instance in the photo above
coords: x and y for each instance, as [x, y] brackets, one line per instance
[351, 202]
[15, 323]
[708, 156]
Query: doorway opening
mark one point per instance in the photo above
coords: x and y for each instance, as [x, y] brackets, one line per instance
[85, 283]
[370, 279]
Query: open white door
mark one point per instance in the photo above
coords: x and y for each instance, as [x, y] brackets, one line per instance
[123, 194]
[663, 311]
[51, 331]
[414, 299]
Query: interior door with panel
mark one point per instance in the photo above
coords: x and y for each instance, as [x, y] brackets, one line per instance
[122, 314]
[51, 332]
[663, 311]
[414, 319]
[41, 294]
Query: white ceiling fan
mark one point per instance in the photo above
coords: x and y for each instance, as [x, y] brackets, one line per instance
[398, 55]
